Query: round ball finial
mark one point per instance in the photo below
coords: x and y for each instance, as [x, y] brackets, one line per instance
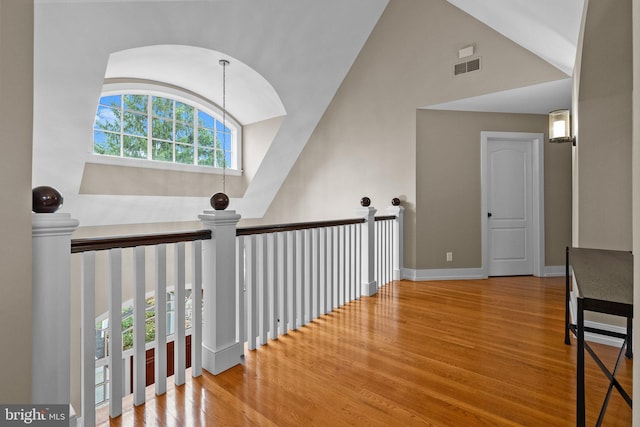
[395, 201]
[219, 201]
[365, 202]
[46, 200]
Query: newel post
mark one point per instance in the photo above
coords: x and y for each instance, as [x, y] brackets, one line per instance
[398, 238]
[221, 348]
[369, 286]
[51, 299]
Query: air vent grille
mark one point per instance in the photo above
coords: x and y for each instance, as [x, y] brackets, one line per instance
[466, 67]
[460, 68]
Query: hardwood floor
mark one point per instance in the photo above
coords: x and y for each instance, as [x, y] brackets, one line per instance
[442, 353]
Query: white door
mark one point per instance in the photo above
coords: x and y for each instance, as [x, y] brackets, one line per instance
[509, 207]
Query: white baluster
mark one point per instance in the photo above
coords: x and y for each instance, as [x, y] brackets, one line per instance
[116, 390]
[160, 352]
[308, 270]
[300, 270]
[263, 292]
[329, 276]
[398, 240]
[322, 265]
[315, 275]
[88, 338]
[139, 335]
[335, 236]
[179, 345]
[348, 265]
[272, 288]
[342, 267]
[196, 310]
[241, 335]
[251, 293]
[358, 261]
[281, 273]
[292, 272]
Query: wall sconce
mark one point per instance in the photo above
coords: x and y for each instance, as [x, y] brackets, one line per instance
[560, 127]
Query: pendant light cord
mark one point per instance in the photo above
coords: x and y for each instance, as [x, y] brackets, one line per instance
[224, 64]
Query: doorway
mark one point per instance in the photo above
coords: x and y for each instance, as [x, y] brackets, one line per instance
[512, 206]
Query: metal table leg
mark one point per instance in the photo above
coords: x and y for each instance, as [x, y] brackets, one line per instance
[580, 410]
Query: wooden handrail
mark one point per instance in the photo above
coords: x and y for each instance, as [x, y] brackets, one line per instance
[104, 243]
[385, 217]
[246, 231]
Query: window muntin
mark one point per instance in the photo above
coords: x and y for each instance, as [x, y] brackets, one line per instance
[164, 129]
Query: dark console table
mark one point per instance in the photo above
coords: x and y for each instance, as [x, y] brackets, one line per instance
[604, 282]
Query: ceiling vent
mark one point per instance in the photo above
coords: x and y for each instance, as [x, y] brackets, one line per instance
[466, 67]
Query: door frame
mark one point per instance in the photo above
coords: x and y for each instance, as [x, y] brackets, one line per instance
[537, 191]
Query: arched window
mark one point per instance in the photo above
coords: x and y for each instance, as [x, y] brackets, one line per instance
[162, 127]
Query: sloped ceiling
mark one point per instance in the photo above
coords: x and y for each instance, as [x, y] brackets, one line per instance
[549, 29]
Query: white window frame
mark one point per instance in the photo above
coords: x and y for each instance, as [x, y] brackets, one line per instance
[180, 95]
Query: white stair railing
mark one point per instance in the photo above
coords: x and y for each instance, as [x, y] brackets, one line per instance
[116, 280]
[296, 273]
[253, 284]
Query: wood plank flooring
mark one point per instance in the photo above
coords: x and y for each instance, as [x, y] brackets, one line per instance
[441, 353]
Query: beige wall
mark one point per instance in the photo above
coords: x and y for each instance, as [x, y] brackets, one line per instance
[636, 196]
[365, 143]
[16, 112]
[604, 127]
[448, 181]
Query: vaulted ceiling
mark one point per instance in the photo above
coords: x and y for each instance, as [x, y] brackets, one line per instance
[80, 42]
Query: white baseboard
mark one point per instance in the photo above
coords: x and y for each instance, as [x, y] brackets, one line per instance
[553, 271]
[223, 359]
[593, 337]
[443, 274]
[369, 289]
[466, 273]
[604, 339]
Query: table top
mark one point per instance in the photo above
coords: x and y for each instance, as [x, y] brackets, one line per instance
[603, 275]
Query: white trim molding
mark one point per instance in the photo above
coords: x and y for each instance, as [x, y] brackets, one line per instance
[443, 274]
[553, 271]
[591, 336]
[417, 275]
[604, 339]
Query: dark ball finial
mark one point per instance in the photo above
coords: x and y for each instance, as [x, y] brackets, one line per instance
[395, 201]
[219, 201]
[365, 201]
[46, 200]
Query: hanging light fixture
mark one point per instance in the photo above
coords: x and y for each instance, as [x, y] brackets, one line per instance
[220, 201]
[560, 127]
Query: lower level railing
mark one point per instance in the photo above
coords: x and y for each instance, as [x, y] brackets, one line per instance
[282, 277]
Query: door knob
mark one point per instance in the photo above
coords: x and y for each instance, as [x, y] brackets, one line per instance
[489, 214]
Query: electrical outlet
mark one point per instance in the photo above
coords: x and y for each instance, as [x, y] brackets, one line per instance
[449, 256]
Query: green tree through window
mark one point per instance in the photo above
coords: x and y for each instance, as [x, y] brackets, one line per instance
[161, 129]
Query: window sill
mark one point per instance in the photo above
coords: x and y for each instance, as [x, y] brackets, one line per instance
[152, 164]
